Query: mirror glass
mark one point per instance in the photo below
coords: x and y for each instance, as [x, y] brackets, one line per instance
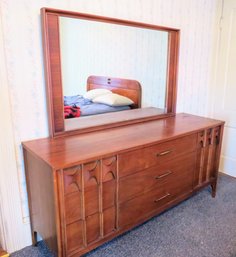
[98, 48]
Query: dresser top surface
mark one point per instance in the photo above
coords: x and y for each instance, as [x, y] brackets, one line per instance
[68, 151]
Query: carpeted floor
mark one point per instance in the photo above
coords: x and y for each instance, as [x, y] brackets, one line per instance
[199, 227]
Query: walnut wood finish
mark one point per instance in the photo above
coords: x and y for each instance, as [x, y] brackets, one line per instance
[50, 28]
[87, 189]
[158, 154]
[43, 202]
[158, 176]
[207, 156]
[52, 67]
[63, 152]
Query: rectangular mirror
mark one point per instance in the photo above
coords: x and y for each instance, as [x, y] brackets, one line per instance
[85, 52]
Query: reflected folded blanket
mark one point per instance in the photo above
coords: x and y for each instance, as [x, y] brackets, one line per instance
[71, 111]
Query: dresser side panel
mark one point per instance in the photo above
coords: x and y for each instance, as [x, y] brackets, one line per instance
[42, 200]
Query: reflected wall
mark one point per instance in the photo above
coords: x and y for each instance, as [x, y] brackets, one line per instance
[104, 49]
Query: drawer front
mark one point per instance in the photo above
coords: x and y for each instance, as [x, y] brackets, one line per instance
[178, 172]
[74, 236]
[140, 159]
[91, 200]
[73, 210]
[137, 208]
[109, 221]
[93, 228]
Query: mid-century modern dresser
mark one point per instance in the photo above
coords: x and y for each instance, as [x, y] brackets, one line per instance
[87, 189]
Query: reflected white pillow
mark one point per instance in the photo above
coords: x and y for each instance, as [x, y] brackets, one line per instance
[113, 100]
[91, 94]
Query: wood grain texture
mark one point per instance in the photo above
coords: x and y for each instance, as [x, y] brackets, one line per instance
[63, 152]
[42, 201]
[52, 63]
[156, 176]
[150, 156]
[207, 157]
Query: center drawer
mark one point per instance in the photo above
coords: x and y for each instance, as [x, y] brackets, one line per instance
[144, 158]
[176, 174]
[145, 192]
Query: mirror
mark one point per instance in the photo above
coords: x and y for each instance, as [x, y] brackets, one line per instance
[121, 52]
[84, 52]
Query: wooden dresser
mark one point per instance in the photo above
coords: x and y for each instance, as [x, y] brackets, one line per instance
[86, 189]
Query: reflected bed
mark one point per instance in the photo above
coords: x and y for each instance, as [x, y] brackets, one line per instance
[88, 107]
[79, 106]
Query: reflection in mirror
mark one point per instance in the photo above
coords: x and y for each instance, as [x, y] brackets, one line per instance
[132, 59]
[112, 50]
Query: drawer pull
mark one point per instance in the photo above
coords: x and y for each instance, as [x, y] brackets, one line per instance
[161, 198]
[164, 153]
[163, 175]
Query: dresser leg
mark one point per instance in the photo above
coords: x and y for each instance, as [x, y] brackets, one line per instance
[213, 189]
[34, 238]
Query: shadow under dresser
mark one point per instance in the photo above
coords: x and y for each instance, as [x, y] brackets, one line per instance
[86, 189]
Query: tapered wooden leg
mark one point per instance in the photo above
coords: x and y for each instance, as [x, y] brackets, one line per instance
[213, 189]
[34, 238]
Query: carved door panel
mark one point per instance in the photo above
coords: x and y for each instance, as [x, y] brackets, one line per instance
[92, 200]
[72, 213]
[109, 195]
[88, 203]
[207, 156]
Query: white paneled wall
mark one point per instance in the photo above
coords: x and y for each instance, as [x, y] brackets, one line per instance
[23, 59]
[224, 86]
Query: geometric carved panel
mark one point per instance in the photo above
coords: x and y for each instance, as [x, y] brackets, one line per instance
[109, 181]
[109, 169]
[91, 176]
[72, 179]
[91, 173]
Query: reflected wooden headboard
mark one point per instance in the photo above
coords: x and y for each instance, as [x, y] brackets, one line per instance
[126, 87]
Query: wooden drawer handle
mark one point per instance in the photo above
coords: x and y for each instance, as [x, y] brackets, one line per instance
[164, 175]
[164, 153]
[161, 198]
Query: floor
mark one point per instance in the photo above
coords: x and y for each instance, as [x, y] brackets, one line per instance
[201, 226]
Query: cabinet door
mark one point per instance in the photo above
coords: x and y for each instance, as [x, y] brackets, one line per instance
[71, 194]
[88, 203]
[207, 156]
[100, 198]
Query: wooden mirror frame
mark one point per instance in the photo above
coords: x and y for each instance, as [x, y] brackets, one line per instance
[52, 63]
